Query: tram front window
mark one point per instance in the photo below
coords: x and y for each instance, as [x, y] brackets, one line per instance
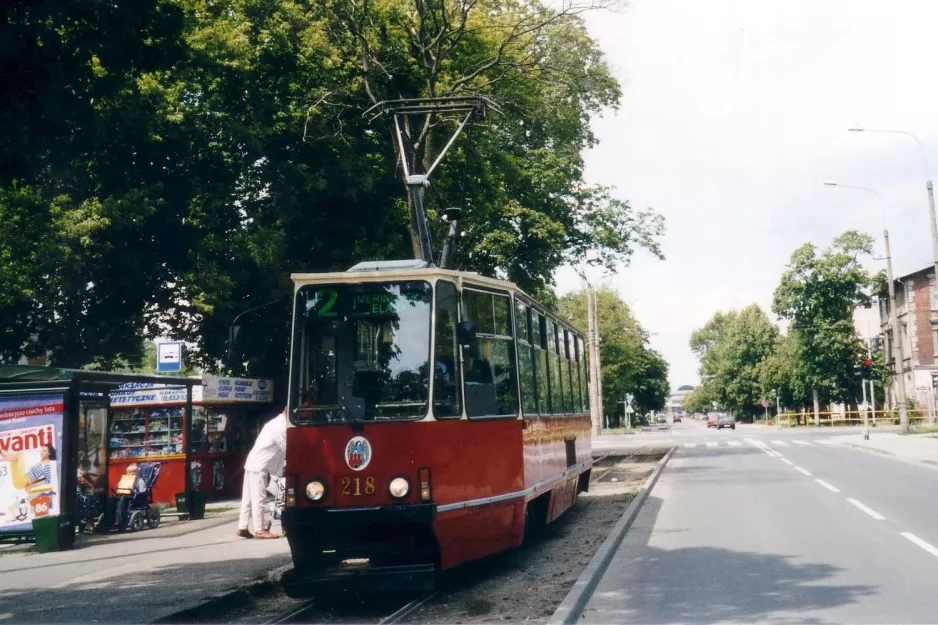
[363, 352]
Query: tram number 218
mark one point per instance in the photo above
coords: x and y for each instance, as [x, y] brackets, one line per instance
[356, 486]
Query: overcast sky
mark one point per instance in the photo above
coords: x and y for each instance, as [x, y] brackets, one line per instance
[733, 114]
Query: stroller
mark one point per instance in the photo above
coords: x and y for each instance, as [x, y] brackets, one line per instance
[134, 510]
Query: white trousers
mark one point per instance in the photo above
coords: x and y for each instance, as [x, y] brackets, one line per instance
[253, 495]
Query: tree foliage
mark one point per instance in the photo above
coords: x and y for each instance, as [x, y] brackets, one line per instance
[629, 365]
[168, 163]
[732, 347]
[744, 358]
[819, 294]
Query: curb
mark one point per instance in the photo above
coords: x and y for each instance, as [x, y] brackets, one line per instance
[572, 606]
[209, 609]
[932, 464]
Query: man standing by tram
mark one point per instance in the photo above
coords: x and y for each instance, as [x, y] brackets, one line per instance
[266, 459]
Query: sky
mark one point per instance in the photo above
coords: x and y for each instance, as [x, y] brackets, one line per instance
[733, 114]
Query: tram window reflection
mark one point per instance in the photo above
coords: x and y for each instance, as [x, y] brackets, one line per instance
[526, 360]
[446, 392]
[370, 352]
[490, 376]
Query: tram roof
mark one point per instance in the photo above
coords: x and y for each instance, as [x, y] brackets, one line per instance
[420, 273]
[380, 274]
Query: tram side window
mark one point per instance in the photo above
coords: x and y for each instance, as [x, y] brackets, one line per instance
[527, 372]
[572, 398]
[556, 377]
[491, 381]
[584, 377]
[578, 371]
[447, 402]
[538, 338]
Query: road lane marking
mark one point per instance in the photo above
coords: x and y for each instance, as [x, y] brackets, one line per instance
[921, 543]
[762, 446]
[780, 443]
[873, 513]
[802, 442]
[713, 444]
[828, 486]
[808, 473]
[690, 445]
[735, 443]
[788, 462]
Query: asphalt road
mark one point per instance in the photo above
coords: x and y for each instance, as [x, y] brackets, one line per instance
[776, 530]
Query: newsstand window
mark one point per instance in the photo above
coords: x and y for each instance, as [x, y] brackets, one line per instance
[147, 432]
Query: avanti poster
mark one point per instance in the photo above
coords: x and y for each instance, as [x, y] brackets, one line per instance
[30, 470]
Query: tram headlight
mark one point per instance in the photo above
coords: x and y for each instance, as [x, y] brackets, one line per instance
[315, 490]
[399, 487]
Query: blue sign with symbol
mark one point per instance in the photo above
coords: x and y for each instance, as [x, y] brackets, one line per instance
[168, 357]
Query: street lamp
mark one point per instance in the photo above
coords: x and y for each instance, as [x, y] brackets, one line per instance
[928, 187]
[897, 348]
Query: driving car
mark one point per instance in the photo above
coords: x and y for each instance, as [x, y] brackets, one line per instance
[662, 419]
[725, 421]
[712, 420]
[676, 419]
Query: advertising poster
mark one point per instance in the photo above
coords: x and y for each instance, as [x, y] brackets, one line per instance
[30, 469]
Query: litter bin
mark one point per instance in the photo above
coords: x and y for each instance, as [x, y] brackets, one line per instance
[53, 533]
[192, 504]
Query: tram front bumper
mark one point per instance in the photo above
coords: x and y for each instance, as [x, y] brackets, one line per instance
[383, 548]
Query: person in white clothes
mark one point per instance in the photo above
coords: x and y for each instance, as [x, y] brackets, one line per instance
[266, 459]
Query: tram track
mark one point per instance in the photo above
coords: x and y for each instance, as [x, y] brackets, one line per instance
[634, 456]
[317, 607]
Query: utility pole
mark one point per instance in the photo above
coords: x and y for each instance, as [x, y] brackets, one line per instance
[596, 405]
[931, 215]
[897, 349]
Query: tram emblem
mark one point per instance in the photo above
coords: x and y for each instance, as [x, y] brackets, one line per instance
[358, 453]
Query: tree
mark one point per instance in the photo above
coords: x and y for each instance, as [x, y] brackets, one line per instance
[819, 294]
[732, 348]
[698, 401]
[628, 364]
[203, 151]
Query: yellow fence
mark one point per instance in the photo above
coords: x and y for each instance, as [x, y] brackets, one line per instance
[844, 419]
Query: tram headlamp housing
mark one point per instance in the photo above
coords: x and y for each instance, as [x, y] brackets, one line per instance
[399, 487]
[315, 490]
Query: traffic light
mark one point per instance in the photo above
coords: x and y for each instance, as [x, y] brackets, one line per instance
[867, 369]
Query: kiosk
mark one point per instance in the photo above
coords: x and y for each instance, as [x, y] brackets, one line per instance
[54, 441]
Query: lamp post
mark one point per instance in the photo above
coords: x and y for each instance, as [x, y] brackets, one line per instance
[928, 187]
[897, 348]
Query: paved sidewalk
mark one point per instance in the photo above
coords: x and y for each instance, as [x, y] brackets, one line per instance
[915, 447]
[135, 578]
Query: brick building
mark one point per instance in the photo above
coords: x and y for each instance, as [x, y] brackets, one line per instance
[917, 311]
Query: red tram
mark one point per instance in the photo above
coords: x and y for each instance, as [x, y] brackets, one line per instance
[436, 416]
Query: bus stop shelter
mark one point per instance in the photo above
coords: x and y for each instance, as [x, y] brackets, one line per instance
[54, 426]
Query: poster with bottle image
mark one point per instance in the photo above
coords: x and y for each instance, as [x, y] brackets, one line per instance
[30, 472]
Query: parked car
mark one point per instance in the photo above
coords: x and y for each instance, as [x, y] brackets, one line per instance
[726, 421]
